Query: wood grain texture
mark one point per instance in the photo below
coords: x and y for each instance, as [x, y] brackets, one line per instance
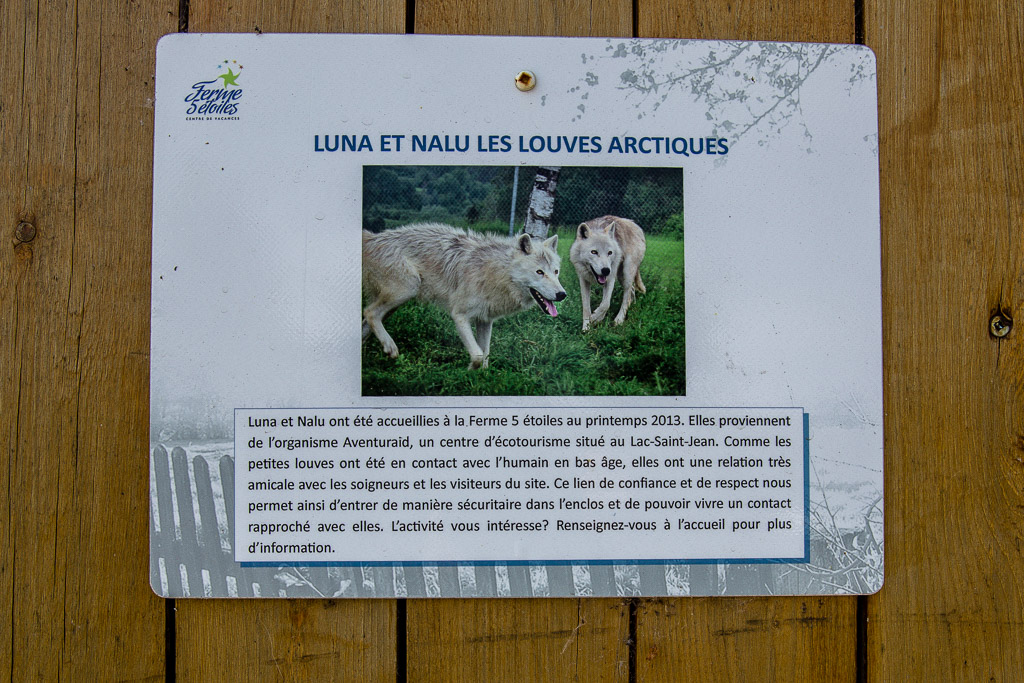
[76, 96]
[761, 638]
[950, 92]
[38, 182]
[527, 640]
[518, 640]
[289, 639]
[301, 16]
[75, 133]
[824, 21]
[747, 639]
[524, 18]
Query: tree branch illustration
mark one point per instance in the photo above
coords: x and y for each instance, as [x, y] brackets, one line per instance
[748, 86]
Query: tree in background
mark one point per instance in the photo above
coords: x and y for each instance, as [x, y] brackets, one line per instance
[542, 202]
[548, 197]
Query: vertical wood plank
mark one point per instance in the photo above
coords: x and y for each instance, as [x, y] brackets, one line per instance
[114, 626]
[524, 18]
[308, 640]
[750, 638]
[951, 85]
[305, 16]
[15, 278]
[522, 639]
[76, 130]
[746, 639]
[290, 639]
[37, 181]
[820, 21]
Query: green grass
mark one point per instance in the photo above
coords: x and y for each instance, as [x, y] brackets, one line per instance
[535, 355]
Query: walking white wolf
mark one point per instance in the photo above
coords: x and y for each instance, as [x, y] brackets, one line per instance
[607, 248]
[476, 278]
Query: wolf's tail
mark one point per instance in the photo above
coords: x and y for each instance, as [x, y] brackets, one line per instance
[639, 284]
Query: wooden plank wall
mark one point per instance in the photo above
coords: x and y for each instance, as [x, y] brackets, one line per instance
[76, 94]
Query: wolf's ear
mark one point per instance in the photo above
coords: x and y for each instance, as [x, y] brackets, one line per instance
[582, 232]
[524, 243]
[552, 242]
[611, 229]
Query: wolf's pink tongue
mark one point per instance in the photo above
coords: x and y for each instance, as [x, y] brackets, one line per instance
[552, 311]
[601, 279]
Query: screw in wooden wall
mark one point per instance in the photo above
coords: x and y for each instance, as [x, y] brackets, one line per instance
[525, 80]
[999, 325]
[25, 232]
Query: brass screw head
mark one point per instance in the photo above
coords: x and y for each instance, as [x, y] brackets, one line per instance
[525, 80]
[1000, 325]
[25, 232]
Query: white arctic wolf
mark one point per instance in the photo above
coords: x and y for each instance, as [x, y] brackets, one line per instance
[607, 248]
[474, 277]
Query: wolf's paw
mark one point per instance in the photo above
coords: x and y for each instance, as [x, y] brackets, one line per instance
[477, 362]
[390, 349]
[586, 325]
[619, 319]
[599, 314]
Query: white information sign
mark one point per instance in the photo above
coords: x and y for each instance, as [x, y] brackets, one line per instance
[472, 316]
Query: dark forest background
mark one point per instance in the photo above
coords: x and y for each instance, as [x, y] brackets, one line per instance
[481, 196]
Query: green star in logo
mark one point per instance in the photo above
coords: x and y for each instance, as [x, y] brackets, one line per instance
[229, 78]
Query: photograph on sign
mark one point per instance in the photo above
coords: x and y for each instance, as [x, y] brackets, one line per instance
[609, 329]
[531, 296]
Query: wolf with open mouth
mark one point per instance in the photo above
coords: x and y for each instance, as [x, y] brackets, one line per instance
[475, 277]
[606, 249]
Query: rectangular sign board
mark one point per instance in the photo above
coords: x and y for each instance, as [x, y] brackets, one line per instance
[472, 316]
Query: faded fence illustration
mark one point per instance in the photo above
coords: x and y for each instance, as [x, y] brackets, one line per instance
[192, 555]
[192, 530]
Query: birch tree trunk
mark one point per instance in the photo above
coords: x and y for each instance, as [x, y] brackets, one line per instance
[542, 202]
